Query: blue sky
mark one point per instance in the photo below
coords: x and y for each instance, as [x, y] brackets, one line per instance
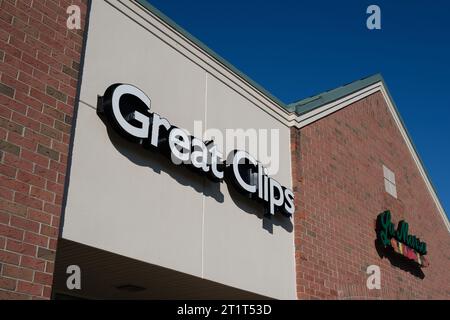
[295, 49]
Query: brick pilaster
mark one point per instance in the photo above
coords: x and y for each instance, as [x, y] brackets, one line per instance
[39, 75]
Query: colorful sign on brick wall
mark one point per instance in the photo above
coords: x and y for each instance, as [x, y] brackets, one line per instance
[400, 240]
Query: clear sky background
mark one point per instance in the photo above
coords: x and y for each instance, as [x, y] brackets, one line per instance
[295, 49]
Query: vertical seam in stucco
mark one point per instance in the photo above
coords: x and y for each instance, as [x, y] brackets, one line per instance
[204, 181]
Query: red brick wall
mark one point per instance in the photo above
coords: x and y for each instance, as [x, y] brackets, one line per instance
[339, 187]
[39, 62]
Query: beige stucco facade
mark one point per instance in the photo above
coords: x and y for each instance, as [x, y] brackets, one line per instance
[136, 203]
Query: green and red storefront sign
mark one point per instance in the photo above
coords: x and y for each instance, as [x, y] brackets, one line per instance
[400, 240]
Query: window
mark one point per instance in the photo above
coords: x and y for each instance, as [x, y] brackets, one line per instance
[389, 182]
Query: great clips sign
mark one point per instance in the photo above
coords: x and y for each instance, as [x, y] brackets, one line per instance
[127, 109]
[400, 240]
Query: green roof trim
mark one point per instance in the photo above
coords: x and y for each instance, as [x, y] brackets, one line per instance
[308, 104]
[313, 102]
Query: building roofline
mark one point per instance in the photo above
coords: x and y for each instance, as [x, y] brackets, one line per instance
[308, 104]
[314, 103]
[297, 111]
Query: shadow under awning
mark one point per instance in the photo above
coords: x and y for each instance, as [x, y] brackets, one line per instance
[105, 275]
